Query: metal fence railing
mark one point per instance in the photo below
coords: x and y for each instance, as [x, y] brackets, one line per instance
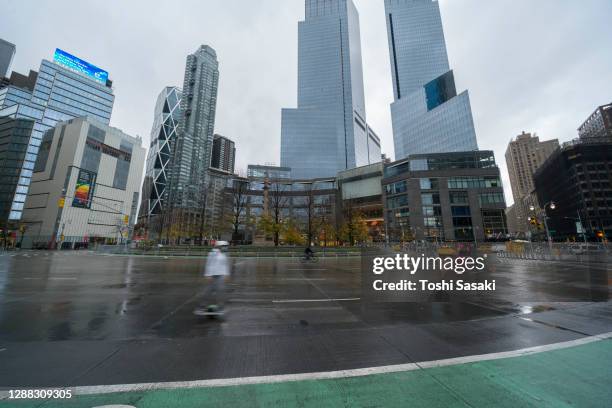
[578, 252]
[256, 252]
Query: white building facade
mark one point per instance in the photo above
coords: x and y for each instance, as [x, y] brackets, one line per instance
[85, 186]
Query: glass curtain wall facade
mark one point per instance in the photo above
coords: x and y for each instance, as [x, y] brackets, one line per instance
[328, 132]
[163, 136]
[14, 138]
[427, 113]
[191, 156]
[60, 94]
[445, 196]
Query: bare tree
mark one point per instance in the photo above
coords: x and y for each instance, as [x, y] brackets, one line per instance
[239, 194]
[277, 201]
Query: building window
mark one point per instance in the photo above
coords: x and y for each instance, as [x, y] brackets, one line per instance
[429, 184]
[43, 152]
[122, 171]
[459, 197]
[494, 224]
[397, 202]
[463, 228]
[430, 199]
[491, 198]
[461, 211]
[397, 188]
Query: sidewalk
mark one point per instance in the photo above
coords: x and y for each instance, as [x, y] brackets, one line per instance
[579, 376]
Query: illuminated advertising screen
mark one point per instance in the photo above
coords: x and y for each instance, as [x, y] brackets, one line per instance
[83, 192]
[78, 65]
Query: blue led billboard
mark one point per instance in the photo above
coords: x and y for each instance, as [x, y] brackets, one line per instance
[80, 66]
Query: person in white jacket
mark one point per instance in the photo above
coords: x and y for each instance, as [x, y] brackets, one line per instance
[216, 272]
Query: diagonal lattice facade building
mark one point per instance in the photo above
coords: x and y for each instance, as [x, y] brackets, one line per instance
[163, 137]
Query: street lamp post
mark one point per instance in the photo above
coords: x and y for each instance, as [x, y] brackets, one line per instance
[552, 206]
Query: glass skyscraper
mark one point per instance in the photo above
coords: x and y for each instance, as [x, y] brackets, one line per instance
[328, 131]
[427, 113]
[62, 92]
[163, 136]
[191, 154]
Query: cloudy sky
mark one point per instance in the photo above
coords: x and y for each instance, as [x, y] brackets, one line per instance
[540, 66]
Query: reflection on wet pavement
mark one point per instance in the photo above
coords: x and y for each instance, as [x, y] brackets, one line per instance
[85, 296]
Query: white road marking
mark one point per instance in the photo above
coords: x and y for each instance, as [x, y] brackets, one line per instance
[360, 372]
[314, 300]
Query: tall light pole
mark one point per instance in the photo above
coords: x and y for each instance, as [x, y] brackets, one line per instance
[552, 206]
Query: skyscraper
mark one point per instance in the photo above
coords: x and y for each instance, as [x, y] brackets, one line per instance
[223, 154]
[427, 114]
[328, 131]
[524, 156]
[163, 136]
[66, 88]
[7, 52]
[191, 155]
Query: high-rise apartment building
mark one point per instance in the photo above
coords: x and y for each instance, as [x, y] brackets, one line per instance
[65, 88]
[7, 53]
[427, 113]
[163, 137]
[328, 131]
[577, 177]
[191, 155]
[223, 154]
[523, 157]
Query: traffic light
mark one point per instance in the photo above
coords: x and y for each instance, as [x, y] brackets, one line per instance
[600, 234]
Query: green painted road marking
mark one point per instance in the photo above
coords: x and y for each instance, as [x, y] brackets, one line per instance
[578, 376]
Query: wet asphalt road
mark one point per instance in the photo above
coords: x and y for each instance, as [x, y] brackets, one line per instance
[70, 318]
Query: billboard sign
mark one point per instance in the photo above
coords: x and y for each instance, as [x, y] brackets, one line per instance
[83, 192]
[78, 65]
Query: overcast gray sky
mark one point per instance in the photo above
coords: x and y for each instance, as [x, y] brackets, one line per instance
[541, 66]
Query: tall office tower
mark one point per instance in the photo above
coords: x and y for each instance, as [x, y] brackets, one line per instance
[427, 114]
[192, 153]
[223, 154]
[523, 157]
[65, 88]
[328, 132]
[163, 136]
[7, 52]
